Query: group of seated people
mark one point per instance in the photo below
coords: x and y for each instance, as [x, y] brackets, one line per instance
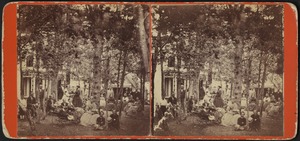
[170, 104]
[112, 123]
[253, 122]
[132, 107]
[271, 105]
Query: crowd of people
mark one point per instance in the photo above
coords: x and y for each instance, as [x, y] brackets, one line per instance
[89, 110]
[217, 106]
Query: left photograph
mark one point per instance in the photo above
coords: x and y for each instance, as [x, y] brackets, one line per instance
[83, 70]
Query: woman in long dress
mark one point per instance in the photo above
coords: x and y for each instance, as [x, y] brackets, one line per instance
[102, 102]
[77, 102]
[231, 115]
[218, 101]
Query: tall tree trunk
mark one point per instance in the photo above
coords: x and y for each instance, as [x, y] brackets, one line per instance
[120, 94]
[106, 79]
[178, 77]
[49, 87]
[142, 85]
[37, 78]
[119, 69]
[237, 84]
[261, 94]
[21, 76]
[54, 84]
[97, 78]
[143, 40]
[161, 58]
[259, 72]
[198, 84]
[248, 82]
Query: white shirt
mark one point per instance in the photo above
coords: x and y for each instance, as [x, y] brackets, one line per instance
[267, 99]
[243, 101]
[126, 99]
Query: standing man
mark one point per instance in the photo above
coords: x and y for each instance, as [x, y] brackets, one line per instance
[182, 97]
[201, 93]
[60, 92]
[31, 101]
[42, 94]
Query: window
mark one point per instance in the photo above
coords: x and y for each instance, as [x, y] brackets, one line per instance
[26, 88]
[29, 61]
[171, 62]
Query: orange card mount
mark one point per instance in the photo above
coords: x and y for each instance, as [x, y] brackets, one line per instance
[14, 93]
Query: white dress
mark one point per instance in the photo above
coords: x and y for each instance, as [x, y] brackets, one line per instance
[243, 102]
[102, 102]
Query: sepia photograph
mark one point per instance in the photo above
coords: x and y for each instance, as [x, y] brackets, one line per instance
[83, 70]
[217, 70]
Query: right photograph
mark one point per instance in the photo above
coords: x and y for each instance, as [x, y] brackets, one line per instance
[217, 70]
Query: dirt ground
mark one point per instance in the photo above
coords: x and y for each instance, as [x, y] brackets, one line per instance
[48, 127]
[191, 127]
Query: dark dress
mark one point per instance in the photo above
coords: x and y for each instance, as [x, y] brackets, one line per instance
[182, 96]
[218, 101]
[49, 106]
[255, 124]
[114, 121]
[60, 93]
[41, 93]
[201, 93]
[77, 102]
[241, 121]
[190, 105]
[101, 121]
[30, 101]
[173, 100]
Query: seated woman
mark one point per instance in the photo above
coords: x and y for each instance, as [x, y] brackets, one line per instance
[252, 105]
[125, 100]
[64, 109]
[274, 108]
[135, 108]
[279, 103]
[50, 104]
[131, 99]
[90, 105]
[129, 103]
[110, 104]
[266, 100]
[232, 114]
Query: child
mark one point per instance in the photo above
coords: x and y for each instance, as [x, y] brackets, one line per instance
[255, 121]
[100, 123]
[114, 122]
[241, 122]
